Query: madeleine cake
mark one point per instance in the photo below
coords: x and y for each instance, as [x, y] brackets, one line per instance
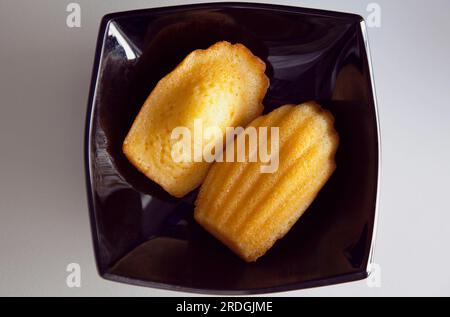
[223, 86]
[249, 210]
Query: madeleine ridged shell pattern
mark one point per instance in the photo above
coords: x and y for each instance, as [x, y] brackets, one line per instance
[248, 210]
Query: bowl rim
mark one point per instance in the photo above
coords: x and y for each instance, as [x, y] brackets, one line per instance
[98, 57]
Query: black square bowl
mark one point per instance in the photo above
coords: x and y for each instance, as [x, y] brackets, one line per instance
[144, 236]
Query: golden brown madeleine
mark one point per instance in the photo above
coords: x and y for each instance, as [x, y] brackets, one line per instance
[249, 210]
[223, 86]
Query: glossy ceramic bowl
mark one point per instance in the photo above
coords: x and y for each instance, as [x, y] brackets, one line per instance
[144, 236]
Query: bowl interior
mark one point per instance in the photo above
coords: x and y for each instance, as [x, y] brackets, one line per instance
[143, 235]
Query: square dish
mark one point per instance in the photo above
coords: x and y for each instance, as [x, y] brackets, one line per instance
[144, 236]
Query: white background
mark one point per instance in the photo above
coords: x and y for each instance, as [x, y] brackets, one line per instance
[45, 71]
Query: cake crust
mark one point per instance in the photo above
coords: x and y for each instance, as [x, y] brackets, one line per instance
[223, 86]
[248, 210]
